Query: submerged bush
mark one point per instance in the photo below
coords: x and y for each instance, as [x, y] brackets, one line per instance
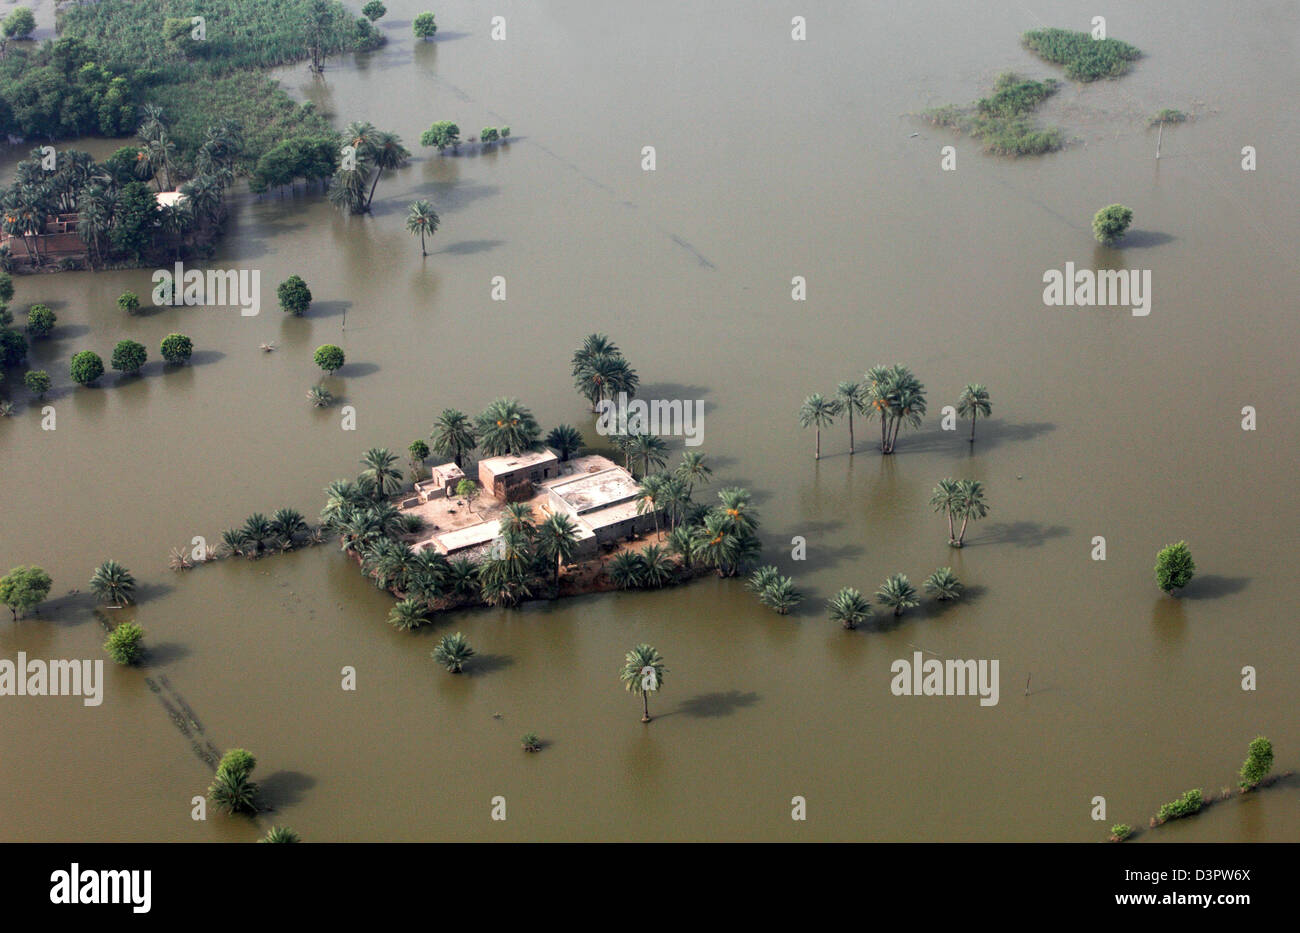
[1003, 122]
[1189, 804]
[124, 644]
[1084, 58]
[1258, 763]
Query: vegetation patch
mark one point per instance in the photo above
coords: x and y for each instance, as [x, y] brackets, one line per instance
[1084, 58]
[1004, 120]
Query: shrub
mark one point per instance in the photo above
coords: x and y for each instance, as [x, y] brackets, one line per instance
[531, 742]
[780, 595]
[424, 26]
[1258, 763]
[176, 348]
[6, 288]
[320, 396]
[1084, 58]
[294, 295]
[129, 356]
[37, 382]
[40, 321]
[281, 834]
[124, 644]
[86, 367]
[1174, 567]
[1167, 116]
[232, 791]
[442, 134]
[129, 302]
[329, 357]
[1188, 804]
[20, 23]
[1109, 223]
[1120, 831]
[489, 134]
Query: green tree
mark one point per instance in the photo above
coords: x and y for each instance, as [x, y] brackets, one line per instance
[13, 347]
[442, 134]
[489, 135]
[453, 651]
[294, 295]
[129, 356]
[780, 595]
[406, 614]
[897, 593]
[422, 220]
[453, 436]
[6, 288]
[626, 570]
[1259, 761]
[176, 349]
[565, 440]
[128, 302]
[818, 412]
[125, 643]
[468, 490]
[693, 470]
[40, 321]
[656, 566]
[24, 588]
[1174, 567]
[507, 427]
[943, 584]
[135, 218]
[20, 24]
[1110, 223]
[113, 583]
[37, 382]
[531, 742]
[417, 453]
[946, 498]
[974, 403]
[853, 400]
[849, 607]
[283, 834]
[384, 151]
[643, 674]
[379, 471]
[652, 450]
[373, 10]
[896, 397]
[970, 504]
[424, 26]
[86, 367]
[232, 789]
[329, 357]
[557, 541]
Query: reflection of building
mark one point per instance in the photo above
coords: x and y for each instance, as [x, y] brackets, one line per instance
[511, 478]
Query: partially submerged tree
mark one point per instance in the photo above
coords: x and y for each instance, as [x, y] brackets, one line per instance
[1174, 567]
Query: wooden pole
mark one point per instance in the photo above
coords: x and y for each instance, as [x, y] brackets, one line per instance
[1027, 679]
[1159, 137]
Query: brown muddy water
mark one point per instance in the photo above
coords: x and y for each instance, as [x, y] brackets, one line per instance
[774, 159]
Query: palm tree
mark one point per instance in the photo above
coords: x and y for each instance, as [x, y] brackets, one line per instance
[287, 524]
[974, 402]
[390, 563]
[592, 345]
[643, 673]
[280, 834]
[681, 542]
[406, 614]
[737, 512]
[603, 376]
[652, 450]
[945, 498]
[340, 494]
[517, 519]
[849, 607]
[233, 792]
[507, 427]
[557, 541]
[565, 440]
[675, 499]
[113, 583]
[385, 151]
[502, 589]
[852, 397]
[422, 219]
[426, 576]
[626, 570]
[693, 470]
[880, 399]
[462, 577]
[348, 187]
[232, 542]
[897, 592]
[453, 435]
[452, 652]
[719, 543]
[379, 471]
[257, 532]
[909, 403]
[820, 412]
[970, 504]
[943, 584]
[780, 595]
[761, 577]
[657, 566]
[649, 492]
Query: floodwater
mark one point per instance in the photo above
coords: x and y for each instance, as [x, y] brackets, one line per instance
[775, 158]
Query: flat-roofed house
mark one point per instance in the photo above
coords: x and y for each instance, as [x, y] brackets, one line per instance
[510, 478]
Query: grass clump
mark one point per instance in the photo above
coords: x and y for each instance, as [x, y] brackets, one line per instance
[1004, 121]
[1084, 58]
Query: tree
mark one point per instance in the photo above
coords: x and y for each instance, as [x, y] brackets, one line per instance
[373, 10]
[379, 471]
[406, 614]
[656, 566]
[849, 607]
[452, 652]
[24, 588]
[852, 398]
[1110, 223]
[557, 541]
[565, 440]
[626, 570]
[283, 834]
[37, 382]
[945, 498]
[329, 357]
[232, 789]
[970, 504]
[422, 219]
[257, 532]
[648, 497]
[973, 403]
[294, 295]
[320, 396]
[468, 490]
[417, 453]
[20, 24]
[176, 349]
[819, 412]
[603, 376]
[643, 673]
[780, 595]
[489, 135]
[1174, 567]
[13, 347]
[693, 470]
[6, 288]
[135, 217]
[86, 367]
[124, 644]
[424, 26]
[1259, 761]
[129, 302]
[531, 742]
[652, 450]
[384, 150]
[895, 396]
[40, 321]
[507, 427]
[129, 356]
[943, 584]
[897, 593]
[442, 134]
[453, 435]
[113, 583]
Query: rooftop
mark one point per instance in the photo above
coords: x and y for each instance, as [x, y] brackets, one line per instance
[496, 466]
[588, 491]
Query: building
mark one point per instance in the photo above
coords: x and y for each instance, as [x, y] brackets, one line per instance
[511, 478]
[441, 483]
